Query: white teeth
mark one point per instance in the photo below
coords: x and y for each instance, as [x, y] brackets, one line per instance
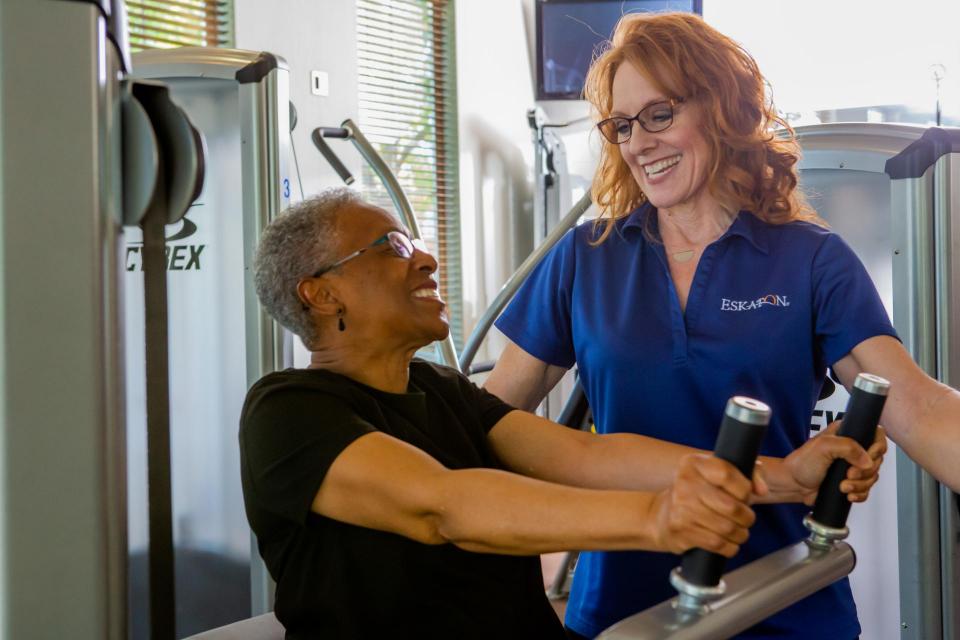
[661, 165]
[426, 293]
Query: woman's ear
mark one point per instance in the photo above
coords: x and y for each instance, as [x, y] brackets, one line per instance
[318, 296]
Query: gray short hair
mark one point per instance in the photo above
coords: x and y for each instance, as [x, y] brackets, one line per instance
[294, 245]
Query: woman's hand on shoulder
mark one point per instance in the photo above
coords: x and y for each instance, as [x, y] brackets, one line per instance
[808, 465]
[706, 507]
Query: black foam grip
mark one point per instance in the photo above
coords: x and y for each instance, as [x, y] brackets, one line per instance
[738, 443]
[334, 132]
[860, 423]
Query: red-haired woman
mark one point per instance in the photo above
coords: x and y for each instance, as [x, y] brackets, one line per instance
[706, 276]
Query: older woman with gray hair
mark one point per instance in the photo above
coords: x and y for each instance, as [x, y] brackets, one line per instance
[391, 497]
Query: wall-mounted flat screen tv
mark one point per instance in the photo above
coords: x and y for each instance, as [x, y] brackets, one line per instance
[569, 31]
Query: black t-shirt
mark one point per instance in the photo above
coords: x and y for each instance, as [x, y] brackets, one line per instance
[339, 581]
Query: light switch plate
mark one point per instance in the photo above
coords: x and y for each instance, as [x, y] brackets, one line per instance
[319, 83]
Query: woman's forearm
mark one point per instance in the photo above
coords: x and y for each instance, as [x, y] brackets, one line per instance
[930, 434]
[628, 461]
[496, 512]
[538, 448]
[921, 415]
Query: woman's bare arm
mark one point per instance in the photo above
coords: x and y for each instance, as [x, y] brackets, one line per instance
[521, 380]
[383, 483]
[921, 415]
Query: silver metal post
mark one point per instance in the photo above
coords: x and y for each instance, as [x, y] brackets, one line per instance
[914, 316]
[251, 90]
[822, 536]
[946, 200]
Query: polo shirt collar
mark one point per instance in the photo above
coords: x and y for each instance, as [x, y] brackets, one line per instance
[745, 225]
[752, 228]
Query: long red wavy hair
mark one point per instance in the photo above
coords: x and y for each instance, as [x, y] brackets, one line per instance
[753, 165]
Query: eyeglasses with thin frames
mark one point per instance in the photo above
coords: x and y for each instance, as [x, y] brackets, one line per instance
[654, 118]
[403, 246]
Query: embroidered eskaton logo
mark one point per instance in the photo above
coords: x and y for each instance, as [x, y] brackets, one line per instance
[769, 300]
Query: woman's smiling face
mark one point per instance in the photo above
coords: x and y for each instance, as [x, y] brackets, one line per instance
[670, 166]
[387, 298]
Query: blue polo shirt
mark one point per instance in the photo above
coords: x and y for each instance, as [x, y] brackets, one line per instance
[770, 307]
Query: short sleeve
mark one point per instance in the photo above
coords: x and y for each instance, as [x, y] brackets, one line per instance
[289, 439]
[847, 307]
[466, 398]
[539, 318]
[490, 409]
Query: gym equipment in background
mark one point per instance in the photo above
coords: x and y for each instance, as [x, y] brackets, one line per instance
[220, 340]
[102, 151]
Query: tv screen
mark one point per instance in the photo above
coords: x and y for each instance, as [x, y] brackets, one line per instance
[569, 31]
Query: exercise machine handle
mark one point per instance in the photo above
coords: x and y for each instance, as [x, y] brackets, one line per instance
[318, 136]
[866, 402]
[744, 425]
[334, 132]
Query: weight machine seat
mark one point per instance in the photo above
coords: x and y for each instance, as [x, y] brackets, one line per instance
[265, 627]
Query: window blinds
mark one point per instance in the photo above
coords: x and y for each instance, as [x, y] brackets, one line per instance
[164, 24]
[407, 86]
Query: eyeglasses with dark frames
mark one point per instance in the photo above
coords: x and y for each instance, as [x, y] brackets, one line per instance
[403, 246]
[654, 118]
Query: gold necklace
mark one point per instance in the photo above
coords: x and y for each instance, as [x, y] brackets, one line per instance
[684, 256]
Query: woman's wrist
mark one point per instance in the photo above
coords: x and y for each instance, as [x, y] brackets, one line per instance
[651, 523]
[780, 480]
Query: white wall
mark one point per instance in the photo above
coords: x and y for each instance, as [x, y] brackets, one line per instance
[822, 54]
[310, 35]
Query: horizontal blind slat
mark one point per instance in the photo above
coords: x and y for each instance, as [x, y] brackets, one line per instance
[177, 23]
[140, 23]
[414, 12]
[399, 121]
[413, 157]
[385, 62]
[401, 134]
[418, 37]
[197, 36]
[367, 13]
[158, 42]
[402, 76]
[385, 96]
[376, 50]
[198, 9]
[406, 33]
[395, 48]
